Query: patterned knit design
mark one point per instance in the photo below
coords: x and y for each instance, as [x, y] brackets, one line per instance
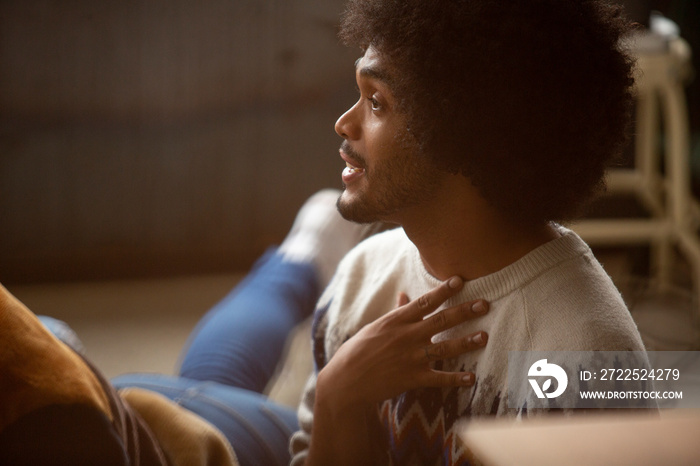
[555, 298]
[419, 427]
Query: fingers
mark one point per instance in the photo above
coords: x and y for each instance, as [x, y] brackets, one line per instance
[452, 348]
[452, 316]
[419, 308]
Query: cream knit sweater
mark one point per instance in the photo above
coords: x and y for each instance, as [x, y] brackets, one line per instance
[556, 298]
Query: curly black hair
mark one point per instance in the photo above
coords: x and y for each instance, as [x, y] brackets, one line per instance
[529, 99]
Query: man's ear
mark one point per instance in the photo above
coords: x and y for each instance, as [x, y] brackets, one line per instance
[56, 435]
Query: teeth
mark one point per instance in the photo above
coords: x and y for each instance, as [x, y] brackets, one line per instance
[352, 168]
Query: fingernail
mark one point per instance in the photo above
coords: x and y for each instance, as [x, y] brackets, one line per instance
[469, 378]
[479, 307]
[479, 339]
[454, 282]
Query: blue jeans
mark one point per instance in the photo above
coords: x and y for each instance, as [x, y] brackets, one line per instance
[232, 354]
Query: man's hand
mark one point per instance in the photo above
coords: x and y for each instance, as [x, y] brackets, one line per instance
[387, 357]
[393, 354]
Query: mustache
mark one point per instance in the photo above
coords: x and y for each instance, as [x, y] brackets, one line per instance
[350, 152]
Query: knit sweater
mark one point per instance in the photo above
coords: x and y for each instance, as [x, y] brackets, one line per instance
[555, 298]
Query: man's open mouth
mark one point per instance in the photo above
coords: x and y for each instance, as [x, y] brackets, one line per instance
[351, 168]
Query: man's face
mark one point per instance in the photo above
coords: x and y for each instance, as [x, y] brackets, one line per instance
[385, 172]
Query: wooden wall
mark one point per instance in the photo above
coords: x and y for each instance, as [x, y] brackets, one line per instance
[162, 137]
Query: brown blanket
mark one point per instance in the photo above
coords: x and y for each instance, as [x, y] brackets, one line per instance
[38, 370]
[56, 408]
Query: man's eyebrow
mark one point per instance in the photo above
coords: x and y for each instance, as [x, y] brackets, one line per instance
[375, 73]
[372, 72]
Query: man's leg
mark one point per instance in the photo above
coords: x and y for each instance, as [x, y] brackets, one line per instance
[240, 341]
[234, 350]
[63, 332]
[257, 428]
[232, 354]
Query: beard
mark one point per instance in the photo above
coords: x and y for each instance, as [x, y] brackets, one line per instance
[400, 180]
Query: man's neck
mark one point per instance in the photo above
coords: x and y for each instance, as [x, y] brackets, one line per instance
[467, 237]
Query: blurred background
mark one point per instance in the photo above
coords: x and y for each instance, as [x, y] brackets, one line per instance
[151, 150]
[160, 138]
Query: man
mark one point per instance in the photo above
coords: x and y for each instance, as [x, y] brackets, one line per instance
[480, 125]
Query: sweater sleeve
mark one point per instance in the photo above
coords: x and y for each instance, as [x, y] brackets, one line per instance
[300, 441]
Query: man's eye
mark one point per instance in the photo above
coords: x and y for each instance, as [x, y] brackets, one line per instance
[374, 102]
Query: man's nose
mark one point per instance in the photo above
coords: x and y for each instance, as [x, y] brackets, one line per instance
[347, 126]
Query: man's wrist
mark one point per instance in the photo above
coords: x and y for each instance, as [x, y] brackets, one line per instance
[343, 426]
[335, 400]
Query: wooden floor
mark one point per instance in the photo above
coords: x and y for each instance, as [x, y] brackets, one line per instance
[130, 326]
